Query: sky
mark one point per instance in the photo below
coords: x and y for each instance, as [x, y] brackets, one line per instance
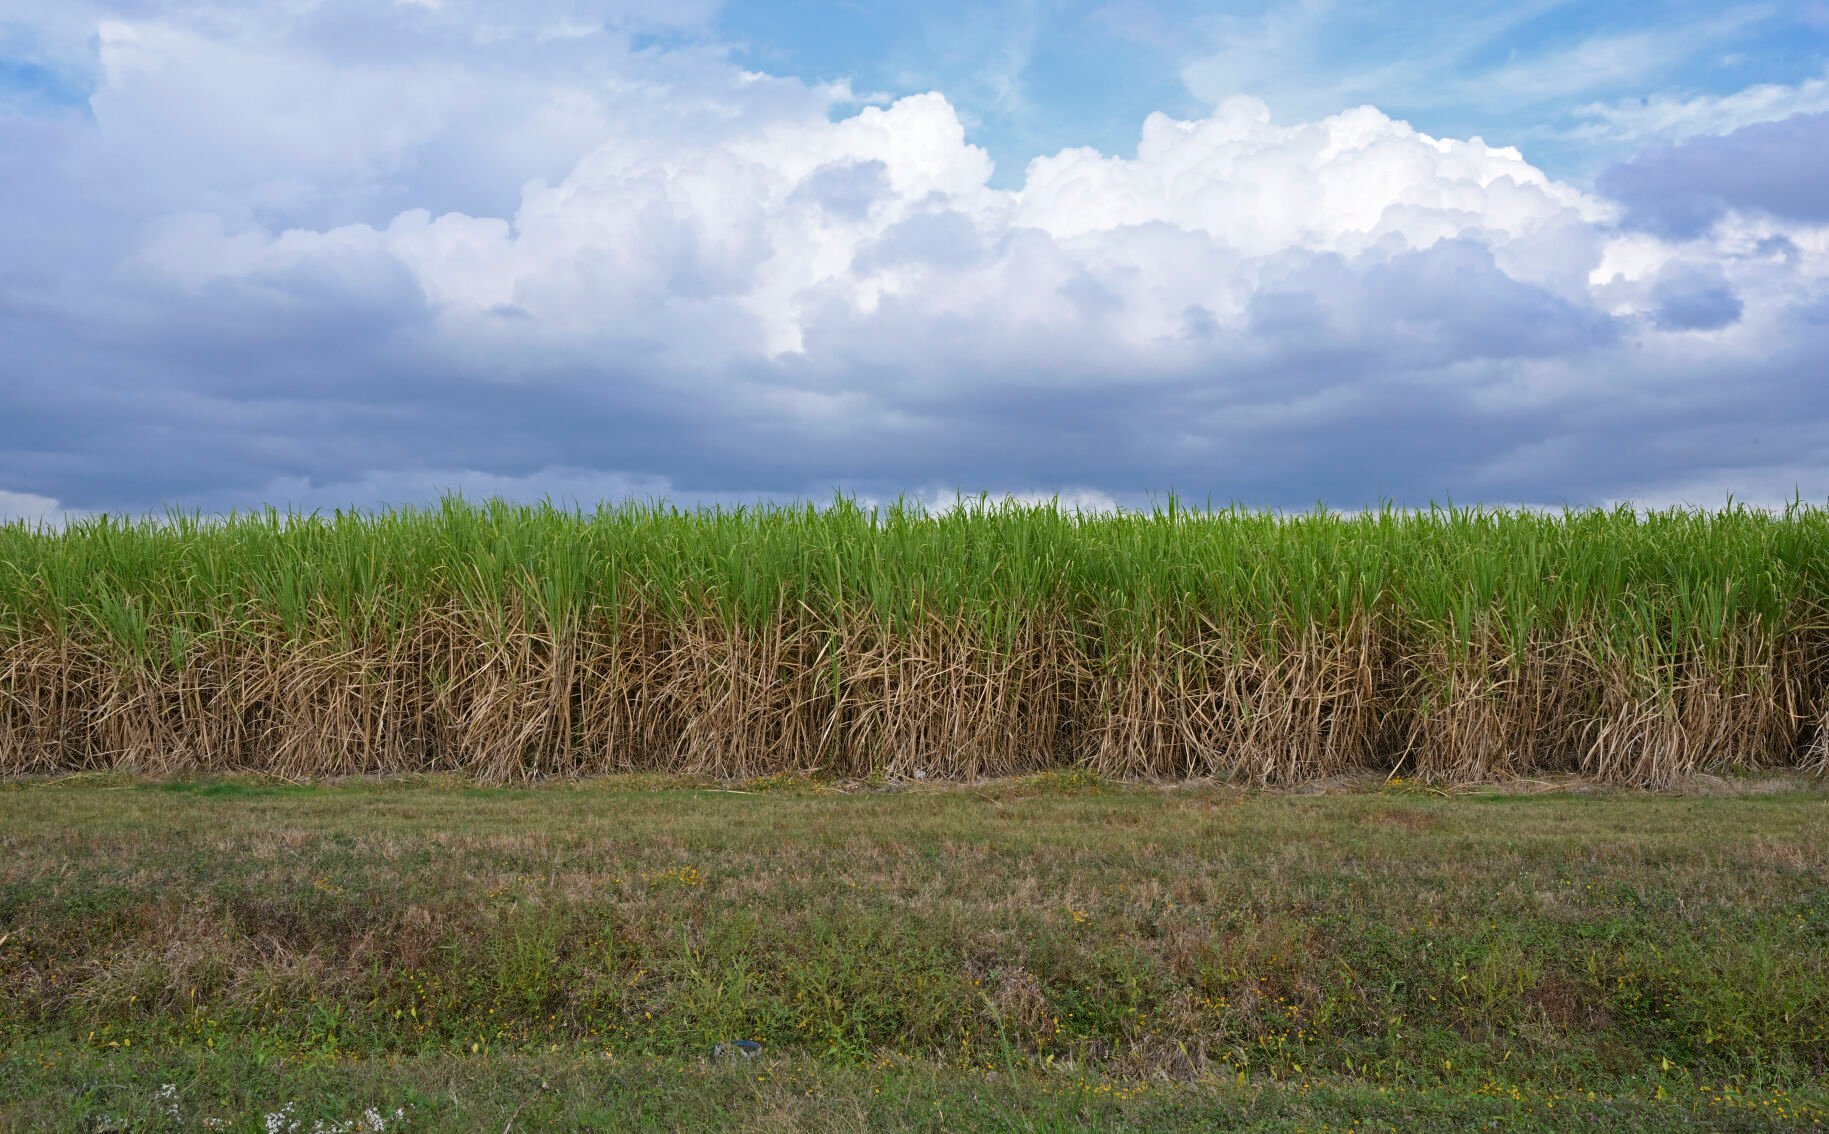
[358, 253]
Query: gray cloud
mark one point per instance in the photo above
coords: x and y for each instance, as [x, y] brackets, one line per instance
[1680, 191]
[846, 189]
[1690, 299]
[941, 239]
[510, 278]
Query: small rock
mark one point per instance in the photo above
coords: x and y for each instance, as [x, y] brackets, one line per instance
[736, 1049]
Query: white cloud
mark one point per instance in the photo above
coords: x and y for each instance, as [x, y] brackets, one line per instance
[1345, 184]
[1671, 117]
[293, 114]
[26, 507]
[669, 275]
[729, 231]
[1602, 61]
[1309, 57]
[1755, 485]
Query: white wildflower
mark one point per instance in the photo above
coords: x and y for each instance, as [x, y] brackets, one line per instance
[167, 1097]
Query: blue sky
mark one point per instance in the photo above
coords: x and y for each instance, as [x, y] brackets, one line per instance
[1035, 78]
[356, 252]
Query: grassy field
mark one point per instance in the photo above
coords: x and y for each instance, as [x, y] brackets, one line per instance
[514, 643]
[1043, 953]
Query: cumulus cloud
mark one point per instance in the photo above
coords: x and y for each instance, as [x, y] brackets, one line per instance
[660, 274]
[741, 237]
[323, 113]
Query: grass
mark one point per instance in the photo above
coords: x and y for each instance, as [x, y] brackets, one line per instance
[511, 643]
[1044, 953]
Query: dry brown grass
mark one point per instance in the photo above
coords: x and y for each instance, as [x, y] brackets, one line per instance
[856, 701]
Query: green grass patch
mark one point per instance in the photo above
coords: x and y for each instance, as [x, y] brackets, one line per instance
[1029, 956]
